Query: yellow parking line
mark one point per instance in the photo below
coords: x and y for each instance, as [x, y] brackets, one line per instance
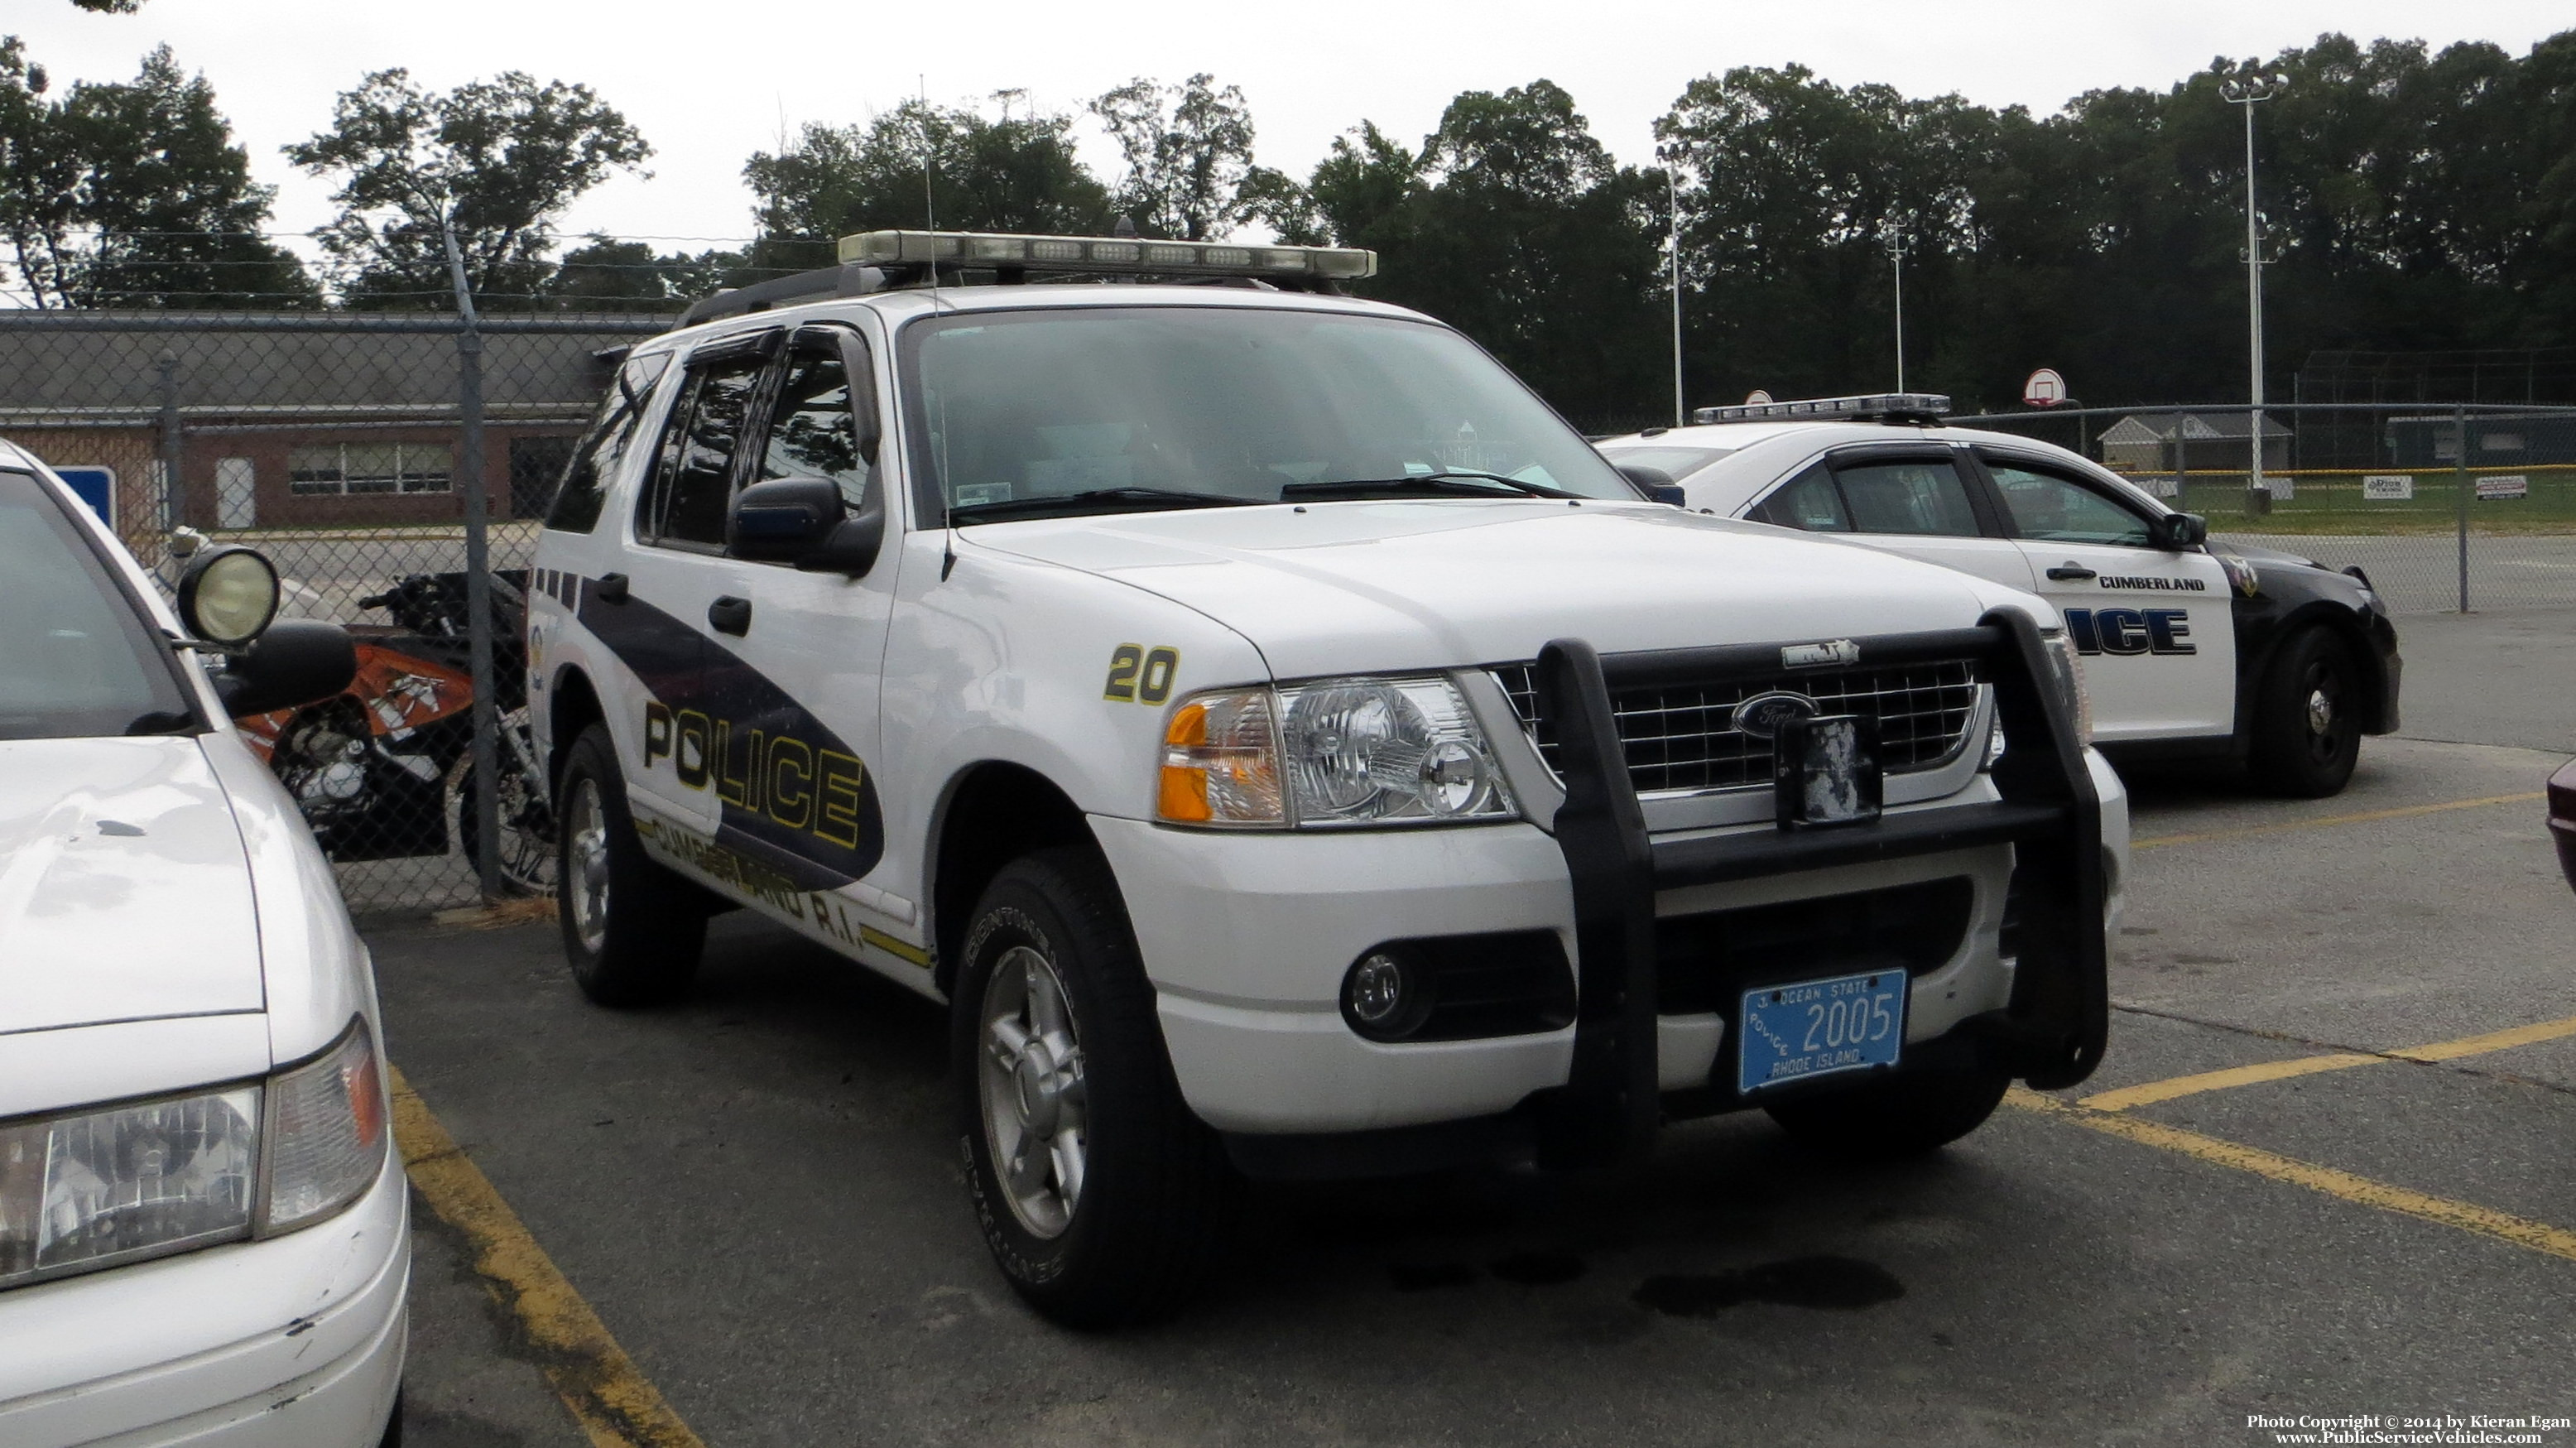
[2172, 1087]
[2240, 831]
[2491, 1041]
[611, 1399]
[2467, 1217]
[2166, 1090]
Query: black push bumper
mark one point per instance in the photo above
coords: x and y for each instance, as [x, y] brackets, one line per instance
[2054, 1030]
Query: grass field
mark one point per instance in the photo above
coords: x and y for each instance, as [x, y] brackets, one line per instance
[2332, 503]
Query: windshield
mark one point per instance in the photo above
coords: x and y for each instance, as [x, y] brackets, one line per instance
[74, 659]
[1080, 410]
[1675, 463]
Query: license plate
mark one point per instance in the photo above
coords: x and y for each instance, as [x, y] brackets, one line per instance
[1819, 1027]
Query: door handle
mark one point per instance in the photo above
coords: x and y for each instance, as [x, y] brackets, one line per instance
[611, 588]
[2070, 570]
[730, 615]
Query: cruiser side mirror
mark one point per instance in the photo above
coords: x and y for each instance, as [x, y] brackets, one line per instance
[803, 522]
[2173, 532]
[1655, 483]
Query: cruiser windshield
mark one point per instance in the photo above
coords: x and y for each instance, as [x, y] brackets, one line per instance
[1050, 413]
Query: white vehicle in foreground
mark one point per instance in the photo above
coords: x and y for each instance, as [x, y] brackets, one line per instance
[1287, 746]
[204, 1235]
[2192, 648]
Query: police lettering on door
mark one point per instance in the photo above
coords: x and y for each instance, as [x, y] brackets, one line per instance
[2130, 630]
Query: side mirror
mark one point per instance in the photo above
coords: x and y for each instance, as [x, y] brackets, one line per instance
[2173, 532]
[802, 521]
[293, 662]
[1655, 483]
[228, 595]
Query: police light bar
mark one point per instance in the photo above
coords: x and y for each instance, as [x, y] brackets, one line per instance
[1104, 254]
[1877, 406]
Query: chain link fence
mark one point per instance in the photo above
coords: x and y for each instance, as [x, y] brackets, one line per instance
[2448, 507]
[376, 459]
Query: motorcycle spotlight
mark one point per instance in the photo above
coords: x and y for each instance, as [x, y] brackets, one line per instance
[228, 595]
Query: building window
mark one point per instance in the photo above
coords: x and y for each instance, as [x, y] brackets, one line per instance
[373, 467]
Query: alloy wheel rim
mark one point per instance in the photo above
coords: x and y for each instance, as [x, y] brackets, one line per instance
[1035, 1103]
[2324, 711]
[586, 866]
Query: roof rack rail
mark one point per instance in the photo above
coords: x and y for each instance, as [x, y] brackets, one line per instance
[1901, 407]
[877, 260]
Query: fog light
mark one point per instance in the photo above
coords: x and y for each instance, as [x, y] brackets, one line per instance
[1386, 996]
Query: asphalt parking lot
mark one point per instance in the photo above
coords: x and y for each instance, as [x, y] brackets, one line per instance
[2328, 1170]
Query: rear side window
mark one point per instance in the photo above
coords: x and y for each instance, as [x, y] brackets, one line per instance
[693, 476]
[1809, 503]
[584, 487]
[1917, 498]
[76, 660]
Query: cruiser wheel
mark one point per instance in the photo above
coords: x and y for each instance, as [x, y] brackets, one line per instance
[632, 930]
[2307, 726]
[1103, 1199]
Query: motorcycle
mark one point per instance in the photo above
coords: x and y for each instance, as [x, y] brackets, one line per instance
[385, 770]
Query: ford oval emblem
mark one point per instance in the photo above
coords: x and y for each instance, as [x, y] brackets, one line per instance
[1761, 715]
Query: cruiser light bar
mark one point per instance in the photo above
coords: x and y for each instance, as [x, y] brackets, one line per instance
[1104, 254]
[1876, 407]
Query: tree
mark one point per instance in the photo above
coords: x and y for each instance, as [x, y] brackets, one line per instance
[1188, 154]
[605, 274]
[496, 162]
[39, 180]
[167, 196]
[1512, 223]
[133, 194]
[1018, 173]
[109, 7]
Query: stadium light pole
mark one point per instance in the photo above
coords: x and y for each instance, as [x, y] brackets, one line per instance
[1896, 268]
[2247, 92]
[1673, 197]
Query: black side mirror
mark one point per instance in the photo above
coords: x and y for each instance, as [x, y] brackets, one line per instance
[802, 521]
[2173, 532]
[294, 661]
[1655, 483]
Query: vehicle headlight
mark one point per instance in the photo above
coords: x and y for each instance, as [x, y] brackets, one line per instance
[1333, 752]
[2066, 676]
[108, 1185]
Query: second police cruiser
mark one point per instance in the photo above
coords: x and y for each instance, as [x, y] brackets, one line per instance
[2193, 648]
[1286, 746]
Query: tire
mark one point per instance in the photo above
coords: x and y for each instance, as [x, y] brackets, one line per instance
[2307, 735]
[1903, 1115]
[528, 845]
[1055, 1043]
[632, 930]
[393, 1424]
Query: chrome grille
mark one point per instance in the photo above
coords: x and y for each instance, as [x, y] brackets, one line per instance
[1683, 736]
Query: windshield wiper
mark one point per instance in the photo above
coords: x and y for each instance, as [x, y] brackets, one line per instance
[1448, 480]
[1097, 497]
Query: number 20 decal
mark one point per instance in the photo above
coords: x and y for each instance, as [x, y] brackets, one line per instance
[1141, 675]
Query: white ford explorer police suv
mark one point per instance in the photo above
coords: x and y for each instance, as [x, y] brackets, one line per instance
[1287, 747]
[2192, 648]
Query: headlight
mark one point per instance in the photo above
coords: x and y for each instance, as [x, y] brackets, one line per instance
[2066, 671]
[1333, 752]
[115, 1184]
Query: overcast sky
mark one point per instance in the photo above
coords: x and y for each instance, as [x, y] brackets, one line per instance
[709, 83]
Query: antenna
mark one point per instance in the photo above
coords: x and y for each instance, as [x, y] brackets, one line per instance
[930, 217]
